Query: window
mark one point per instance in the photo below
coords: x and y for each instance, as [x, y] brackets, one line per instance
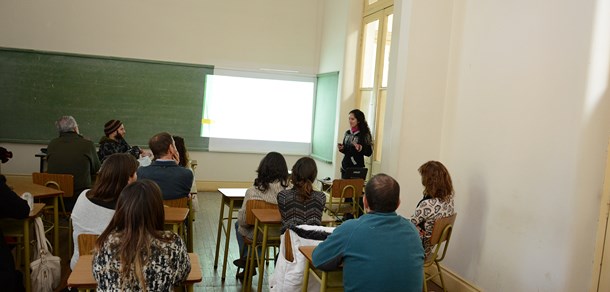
[374, 64]
[258, 112]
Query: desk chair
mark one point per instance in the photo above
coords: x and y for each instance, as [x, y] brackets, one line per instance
[441, 233]
[184, 202]
[62, 182]
[251, 205]
[343, 189]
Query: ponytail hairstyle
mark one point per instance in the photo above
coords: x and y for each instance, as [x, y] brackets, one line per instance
[304, 173]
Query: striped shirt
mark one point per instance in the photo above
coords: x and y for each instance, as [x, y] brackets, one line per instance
[295, 212]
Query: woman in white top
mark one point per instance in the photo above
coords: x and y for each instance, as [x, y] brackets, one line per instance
[272, 177]
[95, 207]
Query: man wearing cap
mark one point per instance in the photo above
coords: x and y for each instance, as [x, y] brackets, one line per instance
[114, 141]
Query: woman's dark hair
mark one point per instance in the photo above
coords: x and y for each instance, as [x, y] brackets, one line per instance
[181, 147]
[137, 220]
[436, 180]
[304, 173]
[271, 168]
[363, 126]
[113, 177]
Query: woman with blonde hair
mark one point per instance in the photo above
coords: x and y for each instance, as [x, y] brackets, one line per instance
[134, 253]
[437, 201]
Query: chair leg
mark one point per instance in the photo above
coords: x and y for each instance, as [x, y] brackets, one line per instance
[70, 238]
[440, 274]
[305, 277]
[425, 281]
[324, 283]
[63, 206]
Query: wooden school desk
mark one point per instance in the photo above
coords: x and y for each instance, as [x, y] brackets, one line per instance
[35, 212]
[25, 184]
[82, 275]
[176, 217]
[334, 282]
[264, 219]
[230, 196]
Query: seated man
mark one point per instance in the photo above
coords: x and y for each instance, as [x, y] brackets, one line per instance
[113, 141]
[72, 154]
[380, 251]
[175, 181]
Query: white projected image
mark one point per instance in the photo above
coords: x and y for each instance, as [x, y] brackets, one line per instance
[257, 109]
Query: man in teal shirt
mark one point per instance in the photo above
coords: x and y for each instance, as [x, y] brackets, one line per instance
[380, 251]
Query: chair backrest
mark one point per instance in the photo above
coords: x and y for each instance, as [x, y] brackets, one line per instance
[62, 182]
[86, 243]
[288, 247]
[177, 203]
[347, 188]
[256, 204]
[441, 232]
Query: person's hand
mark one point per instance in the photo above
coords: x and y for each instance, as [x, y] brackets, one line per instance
[146, 153]
[340, 147]
[357, 146]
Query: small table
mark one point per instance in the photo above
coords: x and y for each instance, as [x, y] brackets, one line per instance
[35, 212]
[265, 218]
[325, 280]
[43, 160]
[82, 275]
[22, 185]
[229, 197]
[176, 217]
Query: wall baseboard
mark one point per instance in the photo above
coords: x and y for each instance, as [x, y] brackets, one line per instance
[454, 282]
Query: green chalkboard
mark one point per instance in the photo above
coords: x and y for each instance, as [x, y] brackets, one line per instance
[325, 114]
[36, 88]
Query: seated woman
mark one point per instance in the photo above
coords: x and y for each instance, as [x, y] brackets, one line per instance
[185, 161]
[272, 177]
[301, 204]
[95, 207]
[437, 201]
[134, 253]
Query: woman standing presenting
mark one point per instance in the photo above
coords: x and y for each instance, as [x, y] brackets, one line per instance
[356, 142]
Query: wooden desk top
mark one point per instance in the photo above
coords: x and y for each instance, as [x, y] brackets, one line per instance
[233, 193]
[307, 251]
[82, 275]
[273, 216]
[175, 215]
[36, 210]
[21, 186]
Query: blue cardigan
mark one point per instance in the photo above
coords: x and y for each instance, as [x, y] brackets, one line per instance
[175, 181]
[379, 252]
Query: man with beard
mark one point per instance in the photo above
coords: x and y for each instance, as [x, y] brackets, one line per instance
[114, 142]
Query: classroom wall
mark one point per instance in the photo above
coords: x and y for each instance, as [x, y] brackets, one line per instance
[338, 52]
[513, 98]
[250, 35]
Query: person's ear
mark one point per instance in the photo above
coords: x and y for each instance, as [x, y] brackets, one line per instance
[398, 204]
[133, 178]
[366, 204]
